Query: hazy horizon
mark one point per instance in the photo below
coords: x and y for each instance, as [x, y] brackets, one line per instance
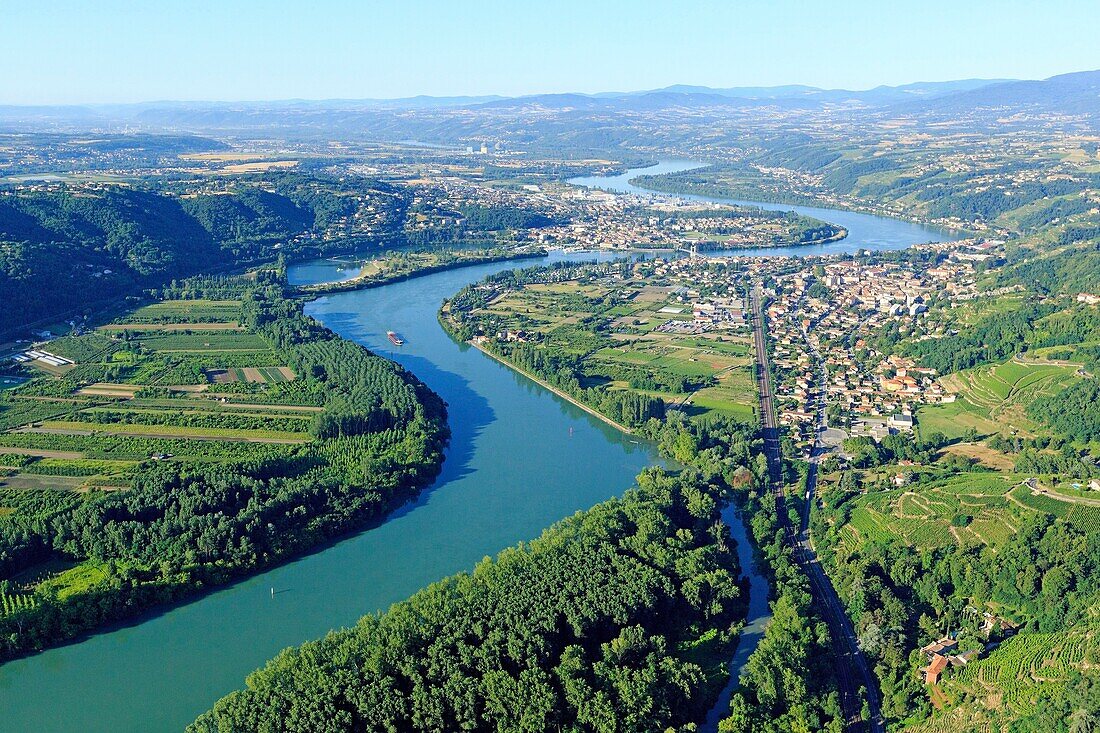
[645, 90]
[120, 52]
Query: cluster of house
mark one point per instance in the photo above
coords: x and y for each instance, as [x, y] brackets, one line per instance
[600, 219]
[944, 653]
[709, 294]
[718, 313]
[809, 324]
[508, 335]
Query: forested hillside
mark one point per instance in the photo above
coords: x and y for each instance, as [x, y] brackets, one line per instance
[64, 248]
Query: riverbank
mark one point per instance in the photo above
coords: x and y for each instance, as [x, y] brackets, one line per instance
[546, 385]
[193, 456]
[465, 259]
[666, 185]
[502, 483]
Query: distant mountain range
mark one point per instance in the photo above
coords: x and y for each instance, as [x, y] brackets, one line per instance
[1076, 94]
[791, 95]
[1072, 94]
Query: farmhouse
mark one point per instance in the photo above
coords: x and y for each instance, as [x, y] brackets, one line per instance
[940, 646]
[934, 669]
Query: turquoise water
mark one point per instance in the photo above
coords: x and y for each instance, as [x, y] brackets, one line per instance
[865, 231]
[520, 459]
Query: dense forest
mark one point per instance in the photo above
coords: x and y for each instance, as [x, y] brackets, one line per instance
[1073, 268]
[600, 624]
[1032, 324]
[66, 248]
[1073, 413]
[472, 224]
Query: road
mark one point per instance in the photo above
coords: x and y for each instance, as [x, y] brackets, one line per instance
[852, 670]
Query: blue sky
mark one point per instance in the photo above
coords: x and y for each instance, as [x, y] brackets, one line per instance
[63, 51]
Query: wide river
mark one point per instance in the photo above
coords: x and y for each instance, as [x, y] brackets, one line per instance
[520, 458]
[865, 231]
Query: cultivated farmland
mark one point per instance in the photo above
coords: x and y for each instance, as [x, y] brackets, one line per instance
[993, 399]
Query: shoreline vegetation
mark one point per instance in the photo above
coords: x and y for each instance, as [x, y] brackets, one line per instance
[546, 385]
[451, 260]
[218, 500]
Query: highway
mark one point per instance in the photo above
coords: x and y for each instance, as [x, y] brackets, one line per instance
[852, 671]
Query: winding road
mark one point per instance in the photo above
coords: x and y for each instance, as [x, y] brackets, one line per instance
[853, 673]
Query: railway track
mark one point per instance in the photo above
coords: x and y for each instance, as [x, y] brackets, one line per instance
[856, 683]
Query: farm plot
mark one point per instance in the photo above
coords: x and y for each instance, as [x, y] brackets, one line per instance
[135, 448]
[993, 399]
[185, 312]
[216, 341]
[106, 389]
[961, 509]
[255, 375]
[91, 431]
[64, 427]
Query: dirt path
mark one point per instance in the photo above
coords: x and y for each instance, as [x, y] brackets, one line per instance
[67, 454]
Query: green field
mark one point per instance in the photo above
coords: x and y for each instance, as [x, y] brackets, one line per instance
[619, 343]
[216, 341]
[186, 311]
[992, 399]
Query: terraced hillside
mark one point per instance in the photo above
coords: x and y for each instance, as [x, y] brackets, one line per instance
[960, 510]
[994, 398]
[1011, 682]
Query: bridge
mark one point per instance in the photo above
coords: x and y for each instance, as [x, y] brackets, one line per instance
[694, 248]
